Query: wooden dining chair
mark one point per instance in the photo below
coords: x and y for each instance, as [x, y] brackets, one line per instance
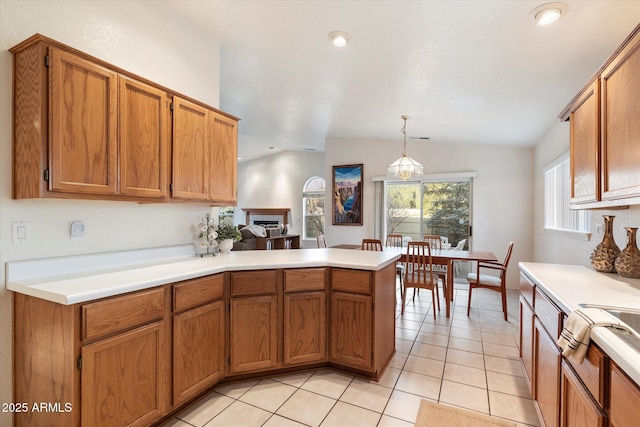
[418, 273]
[322, 241]
[371, 245]
[459, 247]
[486, 281]
[435, 242]
[395, 241]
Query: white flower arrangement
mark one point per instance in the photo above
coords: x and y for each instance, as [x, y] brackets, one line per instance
[208, 233]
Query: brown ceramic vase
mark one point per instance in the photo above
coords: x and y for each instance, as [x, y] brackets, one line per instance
[628, 262]
[604, 255]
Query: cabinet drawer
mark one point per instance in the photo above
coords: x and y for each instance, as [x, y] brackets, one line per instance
[196, 292]
[304, 279]
[591, 371]
[550, 316]
[354, 281]
[122, 313]
[254, 282]
[526, 289]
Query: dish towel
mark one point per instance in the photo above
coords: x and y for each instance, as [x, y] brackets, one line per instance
[576, 334]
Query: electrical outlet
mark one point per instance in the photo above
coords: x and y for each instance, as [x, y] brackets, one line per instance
[76, 230]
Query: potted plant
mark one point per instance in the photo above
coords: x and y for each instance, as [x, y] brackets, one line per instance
[227, 234]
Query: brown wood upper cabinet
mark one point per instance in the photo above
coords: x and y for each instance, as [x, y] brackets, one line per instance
[86, 129]
[204, 154]
[605, 132]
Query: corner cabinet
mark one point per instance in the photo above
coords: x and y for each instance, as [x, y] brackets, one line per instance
[86, 129]
[605, 130]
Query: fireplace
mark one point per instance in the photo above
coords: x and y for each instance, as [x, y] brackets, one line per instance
[267, 223]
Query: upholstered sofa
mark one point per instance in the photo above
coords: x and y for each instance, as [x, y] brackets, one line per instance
[249, 237]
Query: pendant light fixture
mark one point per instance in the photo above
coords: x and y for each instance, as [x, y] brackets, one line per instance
[405, 167]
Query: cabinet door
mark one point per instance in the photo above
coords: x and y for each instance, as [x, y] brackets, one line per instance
[123, 380]
[143, 114]
[305, 332]
[621, 124]
[191, 150]
[223, 166]
[625, 400]
[198, 350]
[526, 341]
[253, 333]
[82, 108]
[546, 375]
[350, 343]
[578, 408]
[585, 146]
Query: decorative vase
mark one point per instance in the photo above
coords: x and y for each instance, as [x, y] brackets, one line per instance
[628, 262]
[604, 255]
[225, 246]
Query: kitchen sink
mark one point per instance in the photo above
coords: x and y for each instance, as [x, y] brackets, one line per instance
[630, 316]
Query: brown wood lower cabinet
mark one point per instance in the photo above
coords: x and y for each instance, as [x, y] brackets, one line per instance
[198, 350]
[578, 409]
[123, 378]
[625, 400]
[254, 320]
[134, 359]
[305, 316]
[351, 330]
[526, 341]
[594, 393]
[546, 375]
[253, 334]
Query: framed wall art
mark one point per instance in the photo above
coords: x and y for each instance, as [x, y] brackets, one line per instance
[347, 195]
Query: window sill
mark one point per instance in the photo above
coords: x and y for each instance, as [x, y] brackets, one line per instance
[578, 235]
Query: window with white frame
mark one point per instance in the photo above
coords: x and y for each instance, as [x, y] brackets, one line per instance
[557, 195]
[313, 207]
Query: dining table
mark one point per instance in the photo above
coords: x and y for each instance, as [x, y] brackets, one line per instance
[446, 257]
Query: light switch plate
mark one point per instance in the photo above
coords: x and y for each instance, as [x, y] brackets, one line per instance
[20, 232]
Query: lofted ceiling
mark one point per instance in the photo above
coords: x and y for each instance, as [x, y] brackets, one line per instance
[464, 71]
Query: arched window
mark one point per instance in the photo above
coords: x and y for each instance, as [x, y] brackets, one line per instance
[313, 207]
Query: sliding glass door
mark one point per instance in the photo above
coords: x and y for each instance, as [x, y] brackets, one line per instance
[416, 208]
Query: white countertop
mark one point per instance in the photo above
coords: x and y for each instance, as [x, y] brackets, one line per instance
[75, 279]
[571, 285]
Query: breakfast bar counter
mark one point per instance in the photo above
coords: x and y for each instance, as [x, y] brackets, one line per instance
[130, 338]
[82, 278]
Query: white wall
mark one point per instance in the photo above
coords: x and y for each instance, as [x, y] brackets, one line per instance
[143, 37]
[502, 190]
[276, 181]
[553, 248]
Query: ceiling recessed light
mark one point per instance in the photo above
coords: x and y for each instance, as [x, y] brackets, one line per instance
[549, 12]
[339, 38]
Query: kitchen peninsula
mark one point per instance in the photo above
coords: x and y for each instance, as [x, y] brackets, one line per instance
[132, 342]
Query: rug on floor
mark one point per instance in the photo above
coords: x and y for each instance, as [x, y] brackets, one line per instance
[440, 415]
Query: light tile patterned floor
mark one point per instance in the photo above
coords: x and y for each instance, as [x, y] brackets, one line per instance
[470, 362]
